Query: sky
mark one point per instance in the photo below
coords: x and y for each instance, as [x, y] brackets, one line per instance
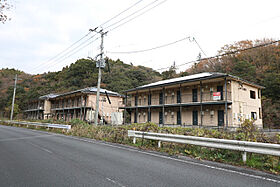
[39, 31]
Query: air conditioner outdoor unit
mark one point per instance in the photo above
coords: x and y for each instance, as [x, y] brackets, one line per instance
[144, 114]
[212, 112]
[165, 113]
[172, 113]
[211, 89]
[139, 114]
[173, 93]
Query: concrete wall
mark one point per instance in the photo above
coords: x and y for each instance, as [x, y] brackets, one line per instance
[108, 109]
[243, 105]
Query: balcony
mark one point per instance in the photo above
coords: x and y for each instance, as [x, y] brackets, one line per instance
[185, 99]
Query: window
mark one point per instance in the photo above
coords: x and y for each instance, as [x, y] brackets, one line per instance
[254, 115]
[259, 93]
[252, 94]
[260, 113]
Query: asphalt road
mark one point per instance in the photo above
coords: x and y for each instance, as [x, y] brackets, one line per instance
[35, 158]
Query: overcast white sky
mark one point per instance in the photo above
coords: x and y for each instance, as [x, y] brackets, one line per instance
[40, 29]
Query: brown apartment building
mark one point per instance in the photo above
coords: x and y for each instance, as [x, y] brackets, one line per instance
[204, 99]
[79, 104]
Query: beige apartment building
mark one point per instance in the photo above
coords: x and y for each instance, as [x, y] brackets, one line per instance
[80, 104]
[204, 99]
[39, 108]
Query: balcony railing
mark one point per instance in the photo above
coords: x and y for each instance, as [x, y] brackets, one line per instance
[185, 98]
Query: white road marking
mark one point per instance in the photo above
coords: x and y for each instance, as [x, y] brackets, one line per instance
[115, 182]
[41, 148]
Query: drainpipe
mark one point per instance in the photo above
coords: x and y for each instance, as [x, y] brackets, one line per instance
[226, 104]
[201, 116]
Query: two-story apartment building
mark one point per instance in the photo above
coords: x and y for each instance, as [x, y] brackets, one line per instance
[204, 99]
[81, 104]
[39, 108]
[78, 104]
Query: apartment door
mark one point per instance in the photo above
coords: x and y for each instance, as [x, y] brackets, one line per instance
[220, 89]
[178, 96]
[160, 117]
[135, 117]
[221, 118]
[161, 98]
[136, 100]
[149, 99]
[179, 118]
[149, 116]
[194, 95]
[195, 117]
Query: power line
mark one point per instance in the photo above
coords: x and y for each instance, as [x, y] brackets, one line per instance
[241, 50]
[69, 47]
[60, 53]
[225, 54]
[120, 13]
[145, 50]
[131, 14]
[81, 46]
[138, 15]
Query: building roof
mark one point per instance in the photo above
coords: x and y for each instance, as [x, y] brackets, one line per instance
[191, 78]
[91, 90]
[48, 96]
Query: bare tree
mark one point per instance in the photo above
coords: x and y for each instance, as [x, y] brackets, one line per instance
[4, 5]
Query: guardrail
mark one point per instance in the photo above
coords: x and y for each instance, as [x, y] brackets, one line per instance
[47, 125]
[243, 146]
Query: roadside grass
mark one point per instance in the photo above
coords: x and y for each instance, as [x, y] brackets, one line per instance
[118, 134]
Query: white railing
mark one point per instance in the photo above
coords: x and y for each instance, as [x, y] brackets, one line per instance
[47, 125]
[243, 146]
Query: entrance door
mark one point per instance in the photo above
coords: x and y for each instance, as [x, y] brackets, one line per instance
[178, 96]
[220, 89]
[194, 95]
[179, 118]
[221, 118]
[160, 117]
[135, 117]
[195, 117]
[149, 116]
[161, 98]
[149, 99]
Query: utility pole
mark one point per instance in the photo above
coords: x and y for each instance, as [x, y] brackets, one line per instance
[13, 102]
[100, 64]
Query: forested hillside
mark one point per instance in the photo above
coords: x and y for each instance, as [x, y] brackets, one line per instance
[83, 73]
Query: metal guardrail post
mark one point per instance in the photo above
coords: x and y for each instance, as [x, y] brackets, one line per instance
[159, 144]
[244, 157]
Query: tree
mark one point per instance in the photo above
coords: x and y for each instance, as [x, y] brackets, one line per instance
[170, 73]
[4, 5]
